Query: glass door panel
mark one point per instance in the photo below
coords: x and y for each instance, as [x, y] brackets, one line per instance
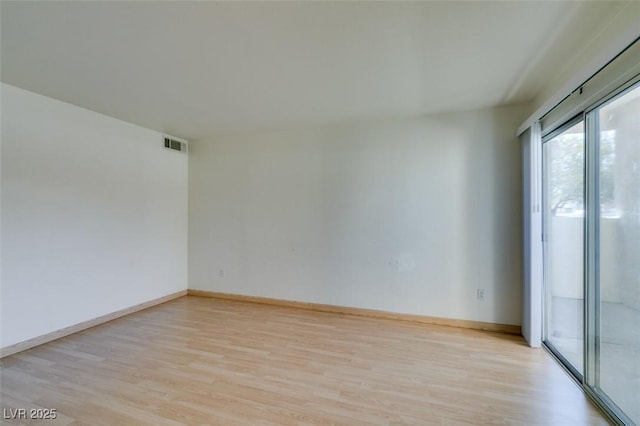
[618, 245]
[563, 218]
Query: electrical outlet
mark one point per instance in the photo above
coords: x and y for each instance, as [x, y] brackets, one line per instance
[480, 294]
[221, 273]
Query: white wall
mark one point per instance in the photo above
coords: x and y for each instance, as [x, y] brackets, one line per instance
[610, 36]
[406, 215]
[94, 215]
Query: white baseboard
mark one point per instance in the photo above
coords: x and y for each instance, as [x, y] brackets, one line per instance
[474, 325]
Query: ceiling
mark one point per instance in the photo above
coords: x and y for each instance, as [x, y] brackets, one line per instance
[199, 69]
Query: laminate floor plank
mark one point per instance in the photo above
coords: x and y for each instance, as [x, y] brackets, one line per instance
[197, 360]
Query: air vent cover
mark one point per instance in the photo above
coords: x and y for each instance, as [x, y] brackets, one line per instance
[175, 145]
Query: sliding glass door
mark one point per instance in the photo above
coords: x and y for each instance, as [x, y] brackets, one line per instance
[563, 243]
[591, 247]
[614, 348]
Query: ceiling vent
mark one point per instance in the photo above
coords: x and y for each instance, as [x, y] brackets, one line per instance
[176, 145]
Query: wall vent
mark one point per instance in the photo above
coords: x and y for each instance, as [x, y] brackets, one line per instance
[174, 144]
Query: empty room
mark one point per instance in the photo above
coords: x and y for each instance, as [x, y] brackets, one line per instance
[421, 213]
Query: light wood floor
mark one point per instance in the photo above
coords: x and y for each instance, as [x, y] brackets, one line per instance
[207, 361]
